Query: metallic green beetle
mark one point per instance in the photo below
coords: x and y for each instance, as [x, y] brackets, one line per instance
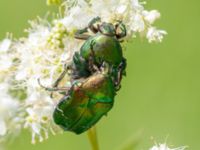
[97, 71]
[85, 103]
[104, 46]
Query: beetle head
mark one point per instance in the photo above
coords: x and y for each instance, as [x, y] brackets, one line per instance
[107, 29]
[117, 30]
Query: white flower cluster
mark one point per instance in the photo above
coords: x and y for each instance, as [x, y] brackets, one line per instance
[42, 54]
[131, 12]
[165, 147]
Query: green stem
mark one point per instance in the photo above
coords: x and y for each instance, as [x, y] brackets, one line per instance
[92, 135]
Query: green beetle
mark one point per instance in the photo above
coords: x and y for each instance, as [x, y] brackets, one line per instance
[103, 46]
[86, 102]
[97, 71]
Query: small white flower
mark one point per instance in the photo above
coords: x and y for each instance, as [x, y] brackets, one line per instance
[165, 147]
[5, 62]
[121, 9]
[39, 117]
[155, 35]
[138, 24]
[9, 108]
[151, 16]
[5, 45]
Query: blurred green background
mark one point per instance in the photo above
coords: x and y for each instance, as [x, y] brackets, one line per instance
[160, 97]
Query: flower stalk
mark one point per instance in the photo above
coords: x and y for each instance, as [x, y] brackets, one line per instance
[92, 136]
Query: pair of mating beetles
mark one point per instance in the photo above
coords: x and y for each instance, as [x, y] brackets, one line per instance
[96, 71]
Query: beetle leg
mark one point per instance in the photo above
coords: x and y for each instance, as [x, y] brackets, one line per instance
[79, 67]
[80, 34]
[52, 89]
[117, 83]
[94, 24]
[121, 72]
[105, 68]
[62, 75]
[120, 30]
[92, 67]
